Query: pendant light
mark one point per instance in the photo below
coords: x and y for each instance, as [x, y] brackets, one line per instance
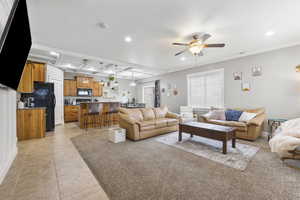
[132, 84]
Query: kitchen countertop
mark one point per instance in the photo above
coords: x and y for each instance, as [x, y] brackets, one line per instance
[31, 108]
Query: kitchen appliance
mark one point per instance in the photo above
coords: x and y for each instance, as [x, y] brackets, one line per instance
[84, 92]
[15, 41]
[44, 97]
[78, 101]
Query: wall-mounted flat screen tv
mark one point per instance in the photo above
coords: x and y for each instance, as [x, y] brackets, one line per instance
[15, 41]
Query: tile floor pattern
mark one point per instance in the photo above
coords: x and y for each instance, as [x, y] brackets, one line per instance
[51, 169]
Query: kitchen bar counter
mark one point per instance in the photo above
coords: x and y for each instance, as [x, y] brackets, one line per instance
[32, 108]
[84, 108]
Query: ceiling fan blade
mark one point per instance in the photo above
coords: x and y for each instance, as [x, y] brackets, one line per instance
[180, 52]
[214, 45]
[205, 37]
[181, 44]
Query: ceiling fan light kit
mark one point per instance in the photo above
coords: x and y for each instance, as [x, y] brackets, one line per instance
[197, 44]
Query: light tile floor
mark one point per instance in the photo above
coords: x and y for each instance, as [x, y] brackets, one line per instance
[51, 169]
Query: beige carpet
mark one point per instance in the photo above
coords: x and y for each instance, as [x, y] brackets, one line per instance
[237, 158]
[151, 170]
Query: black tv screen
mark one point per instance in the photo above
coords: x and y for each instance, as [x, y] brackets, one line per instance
[15, 44]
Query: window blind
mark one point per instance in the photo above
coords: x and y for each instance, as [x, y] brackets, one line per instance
[206, 89]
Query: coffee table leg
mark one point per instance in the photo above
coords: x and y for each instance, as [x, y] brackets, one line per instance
[179, 135]
[233, 140]
[192, 135]
[224, 147]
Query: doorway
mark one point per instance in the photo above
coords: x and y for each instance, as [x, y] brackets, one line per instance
[148, 95]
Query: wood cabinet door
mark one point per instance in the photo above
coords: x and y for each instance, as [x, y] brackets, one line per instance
[71, 113]
[31, 124]
[84, 82]
[96, 89]
[26, 82]
[38, 72]
[70, 88]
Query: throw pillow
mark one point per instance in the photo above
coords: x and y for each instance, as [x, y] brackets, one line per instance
[216, 115]
[246, 116]
[233, 115]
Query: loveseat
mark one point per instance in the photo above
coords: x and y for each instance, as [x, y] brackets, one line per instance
[249, 130]
[147, 122]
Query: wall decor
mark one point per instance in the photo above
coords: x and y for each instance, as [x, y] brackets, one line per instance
[298, 68]
[163, 90]
[256, 71]
[246, 87]
[175, 91]
[237, 75]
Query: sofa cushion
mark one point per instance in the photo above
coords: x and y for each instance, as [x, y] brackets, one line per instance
[148, 113]
[172, 122]
[146, 125]
[240, 126]
[233, 115]
[134, 114]
[160, 123]
[160, 112]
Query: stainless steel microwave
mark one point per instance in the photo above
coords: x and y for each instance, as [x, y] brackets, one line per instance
[84, 92]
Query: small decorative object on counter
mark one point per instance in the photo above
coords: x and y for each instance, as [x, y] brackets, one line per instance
[117, 135]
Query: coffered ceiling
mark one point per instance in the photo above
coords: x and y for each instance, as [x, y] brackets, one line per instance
[98, 29]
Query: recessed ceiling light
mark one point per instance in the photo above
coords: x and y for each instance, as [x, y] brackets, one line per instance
[53, 53]
[269, 33]
[182, 58]
[128, 39]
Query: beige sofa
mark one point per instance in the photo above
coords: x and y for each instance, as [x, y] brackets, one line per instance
[245, 130]
[147, 122]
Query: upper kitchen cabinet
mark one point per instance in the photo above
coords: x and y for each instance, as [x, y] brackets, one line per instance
[70, 88]
[84, 82]
[31, 72]
[97, 89]
[38, 72]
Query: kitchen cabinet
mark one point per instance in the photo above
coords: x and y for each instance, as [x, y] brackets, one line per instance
[31, 123]
[71, 113]
[97, 89]
[70, 88]
[38, 72]
[26, 82]
[31, 72]
[84, 82]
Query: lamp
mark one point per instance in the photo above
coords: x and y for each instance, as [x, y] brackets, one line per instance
[196, 48]
[298, 68]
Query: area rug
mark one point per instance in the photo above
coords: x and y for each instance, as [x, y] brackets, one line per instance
[151, 170]
[237, 158]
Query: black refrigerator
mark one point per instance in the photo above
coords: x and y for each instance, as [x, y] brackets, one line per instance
[44, 97]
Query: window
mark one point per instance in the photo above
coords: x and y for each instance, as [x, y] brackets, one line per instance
[206, 89]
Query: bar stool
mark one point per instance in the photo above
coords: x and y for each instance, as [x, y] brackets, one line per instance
[111, 114]
[94, 116]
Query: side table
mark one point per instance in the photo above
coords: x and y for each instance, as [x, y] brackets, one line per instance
[273, 125]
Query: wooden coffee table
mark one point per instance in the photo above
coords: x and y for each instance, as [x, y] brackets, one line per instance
[212, 131]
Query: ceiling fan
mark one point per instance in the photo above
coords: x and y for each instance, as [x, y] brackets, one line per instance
[197, 44]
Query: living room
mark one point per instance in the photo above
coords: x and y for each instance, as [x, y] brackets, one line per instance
[149, 100]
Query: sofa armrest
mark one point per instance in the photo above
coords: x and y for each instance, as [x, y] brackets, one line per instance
[258, 120]
[131, 126]
[127, 119]
[172, 115]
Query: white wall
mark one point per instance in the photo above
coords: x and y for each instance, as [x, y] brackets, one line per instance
[8, 137]
[278, 89]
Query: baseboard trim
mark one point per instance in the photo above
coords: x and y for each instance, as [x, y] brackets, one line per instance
[4, 169]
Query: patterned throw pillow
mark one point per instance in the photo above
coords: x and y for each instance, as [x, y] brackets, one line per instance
[233, 115]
